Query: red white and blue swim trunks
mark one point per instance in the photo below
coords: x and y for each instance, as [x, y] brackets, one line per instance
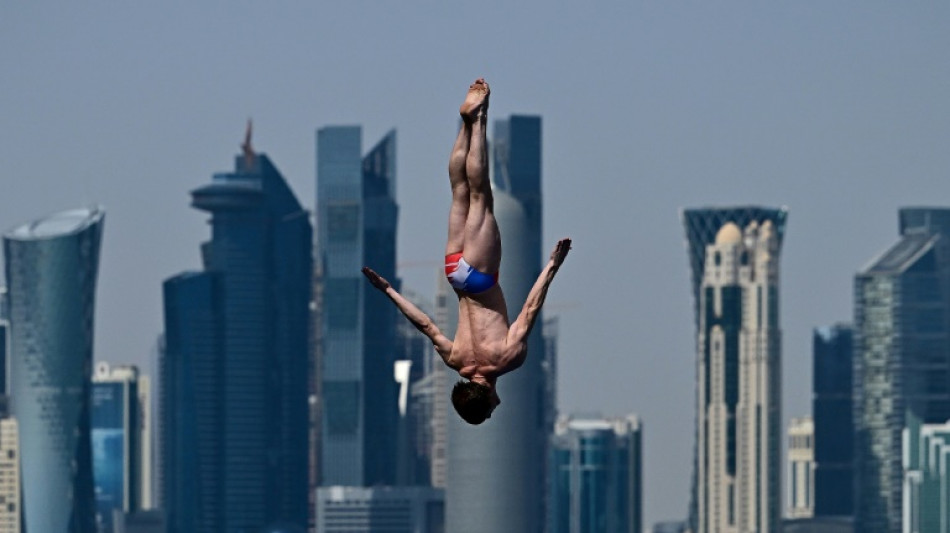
[464, 277]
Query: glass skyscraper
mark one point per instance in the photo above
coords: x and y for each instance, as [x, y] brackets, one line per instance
[926, 457]
[117, 442]
[51, 268]
[901, 358]
[734, 257]
[834, 425]
[234, 371]
[496, 470]
[356, 222]
[597, 476]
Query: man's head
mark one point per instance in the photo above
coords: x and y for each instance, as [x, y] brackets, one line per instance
[473, 401]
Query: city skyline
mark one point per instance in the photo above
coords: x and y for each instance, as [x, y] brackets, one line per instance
[837, 111]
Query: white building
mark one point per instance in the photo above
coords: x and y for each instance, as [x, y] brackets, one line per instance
[739, 371]
[9, 477]
[801, 468]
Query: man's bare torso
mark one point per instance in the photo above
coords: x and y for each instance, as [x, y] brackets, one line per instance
[481, 346]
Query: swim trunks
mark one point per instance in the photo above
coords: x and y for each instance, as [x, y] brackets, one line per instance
[464, 277]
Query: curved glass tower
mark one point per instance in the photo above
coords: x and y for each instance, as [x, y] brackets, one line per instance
[496, 469]
[51, 268]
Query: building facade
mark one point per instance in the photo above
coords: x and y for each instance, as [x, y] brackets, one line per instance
[901, 359]
[495, 470]
[801, 468]
[51, 267]
[597, 476]
[119, 442]
[234, 369]
[734, 255]
[10, 487]
[832, 349]
[356, 226]
[378, 509]
[926, 461]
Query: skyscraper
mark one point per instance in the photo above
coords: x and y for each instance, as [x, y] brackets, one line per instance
[801, 468]
[926, 506]
[901, 358]
[51, 267]
[495, 470]
[834, 425]
[356, 226]
[10, 509]
[119, 443]
[597, 476]
[234, 371]
[734, 254]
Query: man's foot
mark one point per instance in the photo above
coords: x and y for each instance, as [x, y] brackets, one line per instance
[476, 101]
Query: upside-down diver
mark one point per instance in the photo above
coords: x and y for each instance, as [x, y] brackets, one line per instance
[486, 345]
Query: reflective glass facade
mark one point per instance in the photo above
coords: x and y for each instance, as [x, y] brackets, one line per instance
[901, 359]
[596, 477]
[116, 442]
[832, 349]
[234, 391]
[51, 269]
[357, 221]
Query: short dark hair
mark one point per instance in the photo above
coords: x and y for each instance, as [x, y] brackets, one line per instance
[472, 401]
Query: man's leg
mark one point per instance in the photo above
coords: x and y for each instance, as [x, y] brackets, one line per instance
[482, 239]
[458, 213]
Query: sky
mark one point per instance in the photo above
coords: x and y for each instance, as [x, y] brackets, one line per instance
[837, 110]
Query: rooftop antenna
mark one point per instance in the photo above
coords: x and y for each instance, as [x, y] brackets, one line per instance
[246, 147]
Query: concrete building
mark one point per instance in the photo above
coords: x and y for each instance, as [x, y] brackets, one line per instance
[496, 470]
[11, 507]
[356, 226]
[801, 468]
[234, 371]
[380, 509]
[832, 407]
[901, 359]
[597, 476]
[52, 266]
[734, 255]
[443, 378]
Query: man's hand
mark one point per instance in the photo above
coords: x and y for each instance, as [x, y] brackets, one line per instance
[378, 281]
[560, 251]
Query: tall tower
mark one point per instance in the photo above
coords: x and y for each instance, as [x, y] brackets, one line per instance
[597, 476]
[51, 267]
[234, 370]
[734, 254]
[495, 470]
[901, 359]
[356, 226]
[118, 442]
[834, 424]
[801, 468]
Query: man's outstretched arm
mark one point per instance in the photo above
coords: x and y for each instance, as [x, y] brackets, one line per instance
[521, 327]
[415, 315]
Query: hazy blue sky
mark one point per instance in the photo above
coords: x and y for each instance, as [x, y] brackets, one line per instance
[838, 110]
